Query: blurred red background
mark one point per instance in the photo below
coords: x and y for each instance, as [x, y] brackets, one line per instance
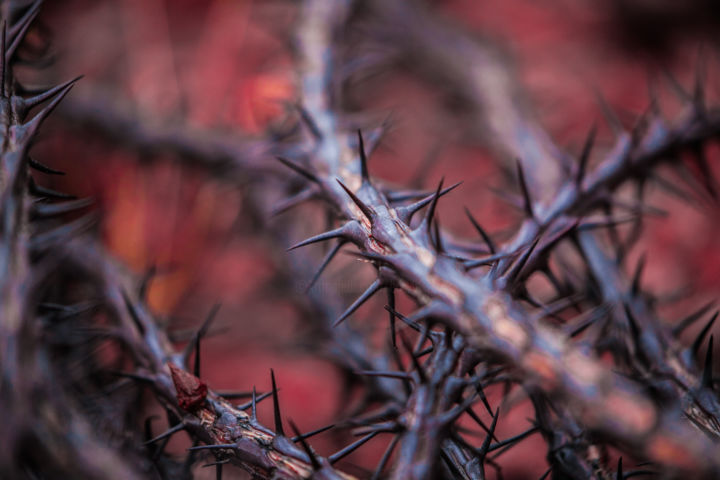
[226, 66]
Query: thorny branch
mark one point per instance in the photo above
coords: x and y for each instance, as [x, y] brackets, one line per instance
[484, 316]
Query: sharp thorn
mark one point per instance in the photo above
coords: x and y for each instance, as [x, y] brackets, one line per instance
[308, 451]
[707, 374]
[692, 318]
[365, 209]
[47, 95]
[40, 167]
[527, 200]
[230, 446]
[253, 403]
[585, 156]
[351, 448]
[405, 213]
[326, 261]
[298, 169]
[701, 336]
[341, 232]
[363, 159]
[391, 312]
[299, 437]
[386, 456]
[167, 433]
[486, 238]
[372, 289]
[276, 406]
[485, 447]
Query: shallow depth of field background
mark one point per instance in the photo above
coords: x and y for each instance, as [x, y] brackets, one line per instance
[226, 65]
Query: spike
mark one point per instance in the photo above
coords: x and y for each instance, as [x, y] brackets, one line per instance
[43, 168]
[479, 421]
[406, 212]
[487, 260]
[437, 238]
[375, 373]
[372, 290]
[363, 159]
[692, 318]
[293, 201]
[527, 201]
[427, 221]
[202, 331]
[516, 270]
[30, 128]
[386, 456]
[679, 91]
[391, 311]
[486, 238]
[638, 276]
[134, 315]
[514, 439]
[18, 31]
[326, 261]
[31, 102]
[313, 459]
[220, 446]
[299, 437]
[707, 375]
[167, 433]
[351, 448]
[45, 210]
[276, 406]
[546, 474]
[416, 364]
[145, 281]
[620, 475]
[585, 156]
[365, 209]
[402, 317]
[632, 321]
[41, 191]
[610, 117]
[340, 232]
[298, 169]
[701, 336]
[309, 122]
[485, 447]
